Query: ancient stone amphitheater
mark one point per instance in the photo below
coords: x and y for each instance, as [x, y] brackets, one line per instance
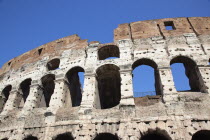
[42, 98]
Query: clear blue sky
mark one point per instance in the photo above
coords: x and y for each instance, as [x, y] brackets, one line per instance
[27, 24]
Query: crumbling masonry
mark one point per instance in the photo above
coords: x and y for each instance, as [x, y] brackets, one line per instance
[42, 99]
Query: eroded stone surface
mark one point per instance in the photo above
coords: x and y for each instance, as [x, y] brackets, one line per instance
[41, 96]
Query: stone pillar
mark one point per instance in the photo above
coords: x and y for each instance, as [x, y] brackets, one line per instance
[126, 88]
[60, 95]
[90, 97]
[13, 101]
[203, 77]
[167, 85]
[34, 97]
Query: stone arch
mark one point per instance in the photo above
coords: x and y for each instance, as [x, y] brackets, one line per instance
[24, 90]
[154, 66]
[201, 135]
[191, 72]
[48, 86]
[75, 85]
[109, 85]
[53, 64]
[30, 138]
[157, 134]
[5, 95]
[107, 51]
[64, 136]
[106, 136]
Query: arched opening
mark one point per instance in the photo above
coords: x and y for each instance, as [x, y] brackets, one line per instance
[146, 79]
[108, 52]
[30, 138]
[53, 64]
[201, 135]
[6, 92]
[4, 139]
[106, 136]
[65, 136]
[25, 90]
[156, 134]
[185, 74]
[109, 82]
[48, 86]
[75, 82]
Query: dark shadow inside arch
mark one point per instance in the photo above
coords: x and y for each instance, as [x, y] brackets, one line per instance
[106, 136]
[53, 64]
[30, 138]
[75, 82]
[201, 135]
[25, 88]
[4, 139]
[108, 52]
[48, 86]
[109, 83]
[6, 92]
[157, 134]
[181, 66]
[65, 136]
[146, 78]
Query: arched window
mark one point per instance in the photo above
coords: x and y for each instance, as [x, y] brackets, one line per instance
[30, 138]
[157, 134]
[201, 135]
[53, 64]
[109, 83]
[182, 66]
[65, 136]
[6, 92]
[25, 90]
[75, 82]
[48, 85]
[106, 136]
[146, 79]
[109, 51]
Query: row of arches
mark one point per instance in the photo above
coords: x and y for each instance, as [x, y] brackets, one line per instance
[150, 135]
[108, 83]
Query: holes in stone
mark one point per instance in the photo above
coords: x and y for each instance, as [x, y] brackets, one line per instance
[185, 73]
[169, 25]
[201, 135]
[108, 52]
[109, 86]
[9, 63]
[146, 79]
[75, 83]
[48, 87]
[106, 136]
[40, 51]
[53, 64]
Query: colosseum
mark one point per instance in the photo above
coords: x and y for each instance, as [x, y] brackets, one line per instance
[42, 97]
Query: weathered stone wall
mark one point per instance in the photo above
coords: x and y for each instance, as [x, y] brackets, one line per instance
[172, 114]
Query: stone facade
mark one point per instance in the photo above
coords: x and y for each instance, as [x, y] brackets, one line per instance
[41, 97]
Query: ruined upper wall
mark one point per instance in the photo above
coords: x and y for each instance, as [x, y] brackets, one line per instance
[134, 30]
[151, 28]
[52, 49]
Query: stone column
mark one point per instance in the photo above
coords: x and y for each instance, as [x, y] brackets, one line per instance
[167, 85]
[126, 88]
[60, 95]
[13, 101]
[34, 97]
[204, 80]
[90, 97]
